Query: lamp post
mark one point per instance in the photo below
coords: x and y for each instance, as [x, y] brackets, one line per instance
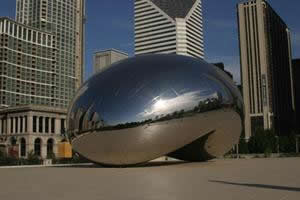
[237, 151]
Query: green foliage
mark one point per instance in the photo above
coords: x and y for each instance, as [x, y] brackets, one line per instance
[1, 154]
[33, 159]
[243, 146]
[287, 144]
[266, 142]
[262, 141]
[268, 152]
[7, 160]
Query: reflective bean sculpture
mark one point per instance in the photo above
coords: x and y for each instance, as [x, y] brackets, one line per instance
[150, 106]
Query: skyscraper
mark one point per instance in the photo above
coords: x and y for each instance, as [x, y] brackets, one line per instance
[169, 26]
[266, 73]
[65, 20]
[296, 81]
[105, 58]
[27, 65]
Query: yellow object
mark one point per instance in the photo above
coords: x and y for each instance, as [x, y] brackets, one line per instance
[65, 150]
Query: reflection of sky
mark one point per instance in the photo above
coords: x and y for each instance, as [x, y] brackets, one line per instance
[120, 95]
[186, 101]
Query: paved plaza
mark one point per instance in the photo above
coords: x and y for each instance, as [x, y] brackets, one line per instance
[253, 179]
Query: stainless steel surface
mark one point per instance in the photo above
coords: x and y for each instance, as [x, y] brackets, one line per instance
[145, 107]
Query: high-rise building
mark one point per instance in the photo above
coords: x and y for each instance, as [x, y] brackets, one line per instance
[66, 21]
[103, 59]
[42, 64]
[27, 65]
[265, 52]
[296, 81]
[169, 26]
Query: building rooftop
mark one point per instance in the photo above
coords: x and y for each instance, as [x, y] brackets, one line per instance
[109, 50]
[40, 108]
[175, 8]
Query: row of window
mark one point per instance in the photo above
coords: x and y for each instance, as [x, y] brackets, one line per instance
[13, 99]
[13, 29]
[17, 125]
[46, 125]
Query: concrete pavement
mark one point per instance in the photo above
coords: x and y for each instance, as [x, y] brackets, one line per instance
[259, 179]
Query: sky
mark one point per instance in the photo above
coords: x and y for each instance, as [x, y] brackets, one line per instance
[110, 25]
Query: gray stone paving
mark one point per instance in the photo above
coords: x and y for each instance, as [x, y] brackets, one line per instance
[253, 179]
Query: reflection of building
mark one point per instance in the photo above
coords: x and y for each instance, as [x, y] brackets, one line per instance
[37, 129]
[169, 26]
[222, 67]
[296, 81]
[27, 67]
[65, 20]
[265, 66]
[103, 59]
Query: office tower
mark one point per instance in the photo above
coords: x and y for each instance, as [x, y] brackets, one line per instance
[296, 81]
[105, 58]
[265, 52]
[169, 26]
[65, 20]
[27, 65]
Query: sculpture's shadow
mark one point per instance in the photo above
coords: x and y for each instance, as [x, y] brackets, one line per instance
[143, 165]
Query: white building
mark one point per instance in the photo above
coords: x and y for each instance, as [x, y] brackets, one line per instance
[169, 26]
[105, 58]
[36, 129]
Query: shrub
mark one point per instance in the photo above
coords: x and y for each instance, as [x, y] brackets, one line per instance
[261, 141]
[33, 159]
[243, 146]
[287, 144]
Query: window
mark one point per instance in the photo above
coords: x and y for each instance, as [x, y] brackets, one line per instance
[47, 124]
[37, 147]
[62, 126]
[21, 124]
[40, 124]
[34, 123]
[25, 118]
[50, 147]
[52, 125]
[29, 35]
[16, 124]
[11, 125]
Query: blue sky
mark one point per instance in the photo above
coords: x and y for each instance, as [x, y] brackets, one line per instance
[110, 25]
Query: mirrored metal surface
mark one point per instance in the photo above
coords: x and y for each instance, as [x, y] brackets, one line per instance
[149, 106]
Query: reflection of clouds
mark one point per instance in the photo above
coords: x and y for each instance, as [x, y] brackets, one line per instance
[185, 102]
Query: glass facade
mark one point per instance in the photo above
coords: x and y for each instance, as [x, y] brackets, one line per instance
[65, 19]
[45, 47]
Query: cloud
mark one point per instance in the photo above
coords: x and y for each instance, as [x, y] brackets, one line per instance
[185, 101]
[232, 64]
